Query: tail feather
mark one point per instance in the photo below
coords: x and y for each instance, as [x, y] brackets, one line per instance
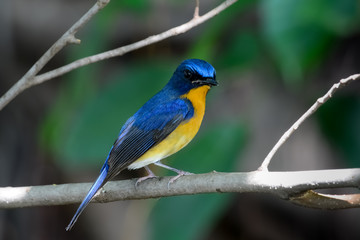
[100, 181]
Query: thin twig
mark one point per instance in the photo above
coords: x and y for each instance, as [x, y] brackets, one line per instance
[134, 46]
[197, 6]
[308, 113]
[30, 78]
[67, 38]
[264, 182]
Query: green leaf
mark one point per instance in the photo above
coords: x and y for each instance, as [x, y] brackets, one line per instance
[190, 217]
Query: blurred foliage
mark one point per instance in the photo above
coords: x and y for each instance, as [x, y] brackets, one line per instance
[135, 6]
[301, 35]
[242, 51]
[81, 85]
[205, 46]
[339, 119]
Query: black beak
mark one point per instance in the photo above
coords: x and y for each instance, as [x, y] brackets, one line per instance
[210, 82]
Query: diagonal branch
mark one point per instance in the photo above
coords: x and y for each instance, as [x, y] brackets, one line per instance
[257, 181]
[30, 78]
[195, 21]
[67, 38]
[308, 113]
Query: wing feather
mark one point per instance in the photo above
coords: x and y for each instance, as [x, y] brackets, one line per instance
[144, 130]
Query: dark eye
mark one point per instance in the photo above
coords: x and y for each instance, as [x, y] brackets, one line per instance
[188, 74]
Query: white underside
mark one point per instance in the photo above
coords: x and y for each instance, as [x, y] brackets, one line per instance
[160, 152]
[145, 162]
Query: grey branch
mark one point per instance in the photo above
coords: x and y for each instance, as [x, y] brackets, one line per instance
[195, 21]
[67, 38]
[31, 78]
[308, 113]
[293, 186]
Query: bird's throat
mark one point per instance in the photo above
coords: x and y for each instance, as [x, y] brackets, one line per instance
[197, 98]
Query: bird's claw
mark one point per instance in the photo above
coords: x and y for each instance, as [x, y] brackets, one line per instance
[180, 174]
[144, 178]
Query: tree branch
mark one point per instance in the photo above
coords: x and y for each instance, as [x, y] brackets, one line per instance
[308, 113]
[286, 185]
[196, 11]
[30, 78]
[195, 21]
[67, 38]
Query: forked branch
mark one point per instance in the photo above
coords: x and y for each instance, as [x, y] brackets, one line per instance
[30, 78]
[319, 102]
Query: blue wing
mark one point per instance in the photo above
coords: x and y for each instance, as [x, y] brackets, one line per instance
[149, 126]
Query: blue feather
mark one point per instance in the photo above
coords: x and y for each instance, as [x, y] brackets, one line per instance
[149, 118]
[93, 190]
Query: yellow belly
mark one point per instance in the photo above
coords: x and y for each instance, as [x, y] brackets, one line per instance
[182, 135]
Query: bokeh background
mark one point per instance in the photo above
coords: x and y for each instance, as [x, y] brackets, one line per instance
[273, 58]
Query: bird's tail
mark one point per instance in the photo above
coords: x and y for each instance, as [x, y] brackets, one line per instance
[100, 181]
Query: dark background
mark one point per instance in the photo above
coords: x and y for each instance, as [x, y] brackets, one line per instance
[273, 60]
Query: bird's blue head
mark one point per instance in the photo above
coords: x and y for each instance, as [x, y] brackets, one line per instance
[193, 73]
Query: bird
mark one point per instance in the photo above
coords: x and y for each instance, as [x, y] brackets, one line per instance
[166, 123]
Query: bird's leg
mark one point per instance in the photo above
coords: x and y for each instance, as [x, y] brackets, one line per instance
[179, 172]
[150, 175]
